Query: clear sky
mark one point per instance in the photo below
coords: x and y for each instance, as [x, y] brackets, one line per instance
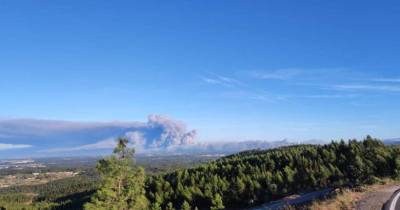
[233, 70]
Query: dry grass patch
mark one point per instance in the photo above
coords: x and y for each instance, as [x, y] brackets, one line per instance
[348, 198]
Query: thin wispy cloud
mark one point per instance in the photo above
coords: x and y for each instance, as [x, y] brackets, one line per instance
[251, 95]
[389, 80]
[330, 96]
[13, 146]
[280, 74]
[326, 83]
[221, 80]
[388, 88]
[238, 89]
[302, 78]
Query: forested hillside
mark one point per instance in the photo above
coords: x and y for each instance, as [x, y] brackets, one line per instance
[254, 177]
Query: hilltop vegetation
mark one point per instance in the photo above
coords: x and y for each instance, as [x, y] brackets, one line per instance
[253, 177]
[241, 180]
[122, 184]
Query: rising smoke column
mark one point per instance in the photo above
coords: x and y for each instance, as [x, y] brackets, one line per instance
[162, 132]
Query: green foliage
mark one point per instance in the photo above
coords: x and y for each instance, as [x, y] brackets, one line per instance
[254, 177]
[122, 185]
[217, 203]
[185, 206]
[155, 206]
[170, 206]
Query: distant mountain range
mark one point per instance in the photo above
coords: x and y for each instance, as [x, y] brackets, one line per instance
[392, 141]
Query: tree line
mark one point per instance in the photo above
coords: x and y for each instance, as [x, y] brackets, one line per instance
[254, 177]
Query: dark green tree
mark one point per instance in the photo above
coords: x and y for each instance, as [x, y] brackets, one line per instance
[217, 203]
[122, 184]
[170, 206]
[185, 206]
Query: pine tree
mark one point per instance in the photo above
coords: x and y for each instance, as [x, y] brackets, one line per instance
[185, 206]
[217, 203]
[170, 206]
[122, 184]
[155, 206]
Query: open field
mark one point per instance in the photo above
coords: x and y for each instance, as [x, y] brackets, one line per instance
[34, 178]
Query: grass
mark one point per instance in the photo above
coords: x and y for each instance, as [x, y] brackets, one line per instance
[345, 199]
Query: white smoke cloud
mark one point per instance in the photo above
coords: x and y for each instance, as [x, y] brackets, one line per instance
[13, 146]
[160, 132]
[173, 133]
[136, 138]
[105, 144]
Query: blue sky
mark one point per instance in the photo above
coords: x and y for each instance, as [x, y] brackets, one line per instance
[233, 70]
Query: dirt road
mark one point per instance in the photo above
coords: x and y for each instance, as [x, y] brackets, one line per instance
[394, 202]
[376, 199]
[295, 200]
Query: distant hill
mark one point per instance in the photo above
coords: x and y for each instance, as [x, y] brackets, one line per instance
[392, 141]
